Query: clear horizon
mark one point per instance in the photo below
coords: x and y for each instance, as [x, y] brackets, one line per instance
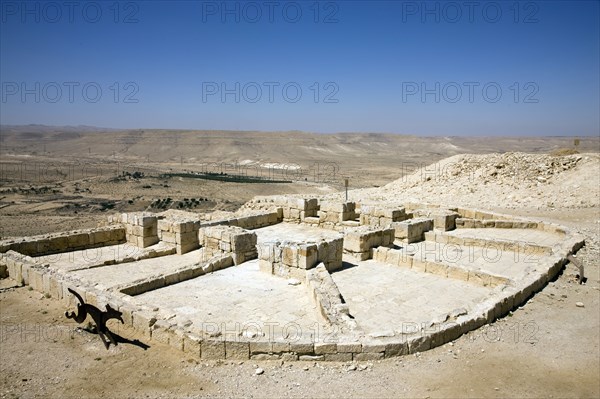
[489, 68]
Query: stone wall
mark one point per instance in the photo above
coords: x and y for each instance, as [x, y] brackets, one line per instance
[181, 233]
[186, 273]
[328, 298]
[412, 230]
[381, 216]
[17, 266]
[443, 219]
[141, 228]
[359, 242]
[399, 258]
[292, 259]
[220, 240]
[503, 245]
[293, 210]
[336, 212]
[250, 222]
[493, 223]
[49, 244]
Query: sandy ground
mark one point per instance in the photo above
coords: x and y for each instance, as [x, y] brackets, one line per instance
[547, 348]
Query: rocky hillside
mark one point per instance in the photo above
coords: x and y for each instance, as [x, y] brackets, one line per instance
[510, 180]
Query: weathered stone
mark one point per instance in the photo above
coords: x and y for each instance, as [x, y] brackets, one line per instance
[213, 349]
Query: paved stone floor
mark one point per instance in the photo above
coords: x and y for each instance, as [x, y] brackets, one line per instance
[382, 297]
[126, 273]
[491, 259]
[77, 260]
[539, 237]
[242, 298]
[293, 232]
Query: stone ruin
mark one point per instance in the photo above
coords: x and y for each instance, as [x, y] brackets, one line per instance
[344, 257]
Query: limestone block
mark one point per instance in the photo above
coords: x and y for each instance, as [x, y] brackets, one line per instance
[279, 347]
[307, 256]
[237, 350]
[243, 240]
[311, 204]
[167, 236]
[353, 242]
[78, 240]
[338, 357]
[160, 332]
[458, 273]
[272, 218]
[265, 266]
[412, 230]
[331, 217]
[58, 244]
[311, 358]
[393, 256]
[146, 220]
[260, 347]
[349, 347]
[212, 349]
[396, 349]
[290, 255]
[325, 347]
[419, 265]
[185, 248]
[437, 268]
[369, 356]
[329, 206]
[302, 348]
[36, 279]
[126, 314]
[144, 242]
[297, 203]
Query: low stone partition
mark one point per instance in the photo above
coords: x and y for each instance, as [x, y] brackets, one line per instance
[297, 209]
[222, 240]
[183, 274]
[292, 259]
[503, 245]
[328, 298]
[257, 221]
[141, 228]
[494, 224]
[412, 230]
[49, 244]
[395, 257]
[182, 233]
[336, 212]
[250, 222]
[443, 219]
[293, 210]
[17, 266]
[359, 242]
[470, 213]
[381, 216]
[473, 218]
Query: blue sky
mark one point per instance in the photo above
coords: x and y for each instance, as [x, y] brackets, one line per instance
[410, 67]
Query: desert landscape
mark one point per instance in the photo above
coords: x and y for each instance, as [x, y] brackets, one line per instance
[57, 179]
[299, 199]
